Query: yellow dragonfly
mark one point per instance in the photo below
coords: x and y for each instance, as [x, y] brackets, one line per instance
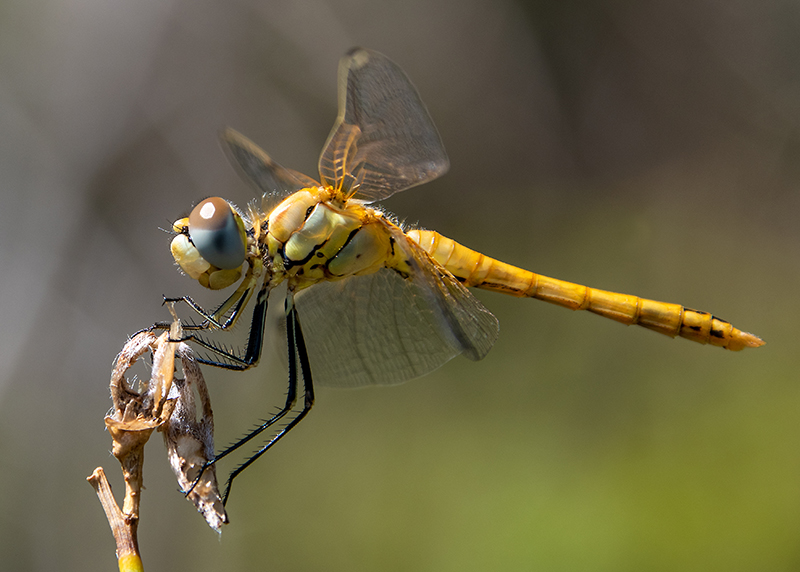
[369, 302]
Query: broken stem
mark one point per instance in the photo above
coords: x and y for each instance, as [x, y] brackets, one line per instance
[123, 527]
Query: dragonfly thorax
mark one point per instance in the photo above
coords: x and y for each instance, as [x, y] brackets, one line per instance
[314, 235]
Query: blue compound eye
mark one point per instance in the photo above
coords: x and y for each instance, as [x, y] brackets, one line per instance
[217, 234]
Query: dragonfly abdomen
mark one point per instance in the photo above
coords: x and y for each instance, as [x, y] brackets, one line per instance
[480, 271]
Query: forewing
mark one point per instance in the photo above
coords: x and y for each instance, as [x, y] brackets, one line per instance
[385, 328]
[267, 176]
[384, 140]
[473, 326]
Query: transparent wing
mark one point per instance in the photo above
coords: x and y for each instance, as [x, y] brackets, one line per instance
[267, 176]
[383, 140]
[384, 328]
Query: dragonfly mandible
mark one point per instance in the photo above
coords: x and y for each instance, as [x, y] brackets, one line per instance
[367, 301]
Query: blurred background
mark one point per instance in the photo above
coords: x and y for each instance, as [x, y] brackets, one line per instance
[644, 147]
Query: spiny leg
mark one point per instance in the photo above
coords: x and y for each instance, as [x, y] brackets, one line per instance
[255, 339]
[297, 353]
[213, 319]
[237, 301]
[229, 359]
[255, 343]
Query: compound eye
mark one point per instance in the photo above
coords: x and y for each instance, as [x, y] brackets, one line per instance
[218, 233]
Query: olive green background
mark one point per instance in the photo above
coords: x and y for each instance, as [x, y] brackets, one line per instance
[645, 147]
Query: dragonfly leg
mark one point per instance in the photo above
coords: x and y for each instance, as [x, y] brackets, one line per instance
[213, 319]
[231, 307]
[229, 359]
[297, 354]
[254, 344]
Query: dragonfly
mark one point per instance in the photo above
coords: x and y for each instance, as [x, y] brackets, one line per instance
[368, 302]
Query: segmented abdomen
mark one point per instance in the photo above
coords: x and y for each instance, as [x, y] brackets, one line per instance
[480, 271]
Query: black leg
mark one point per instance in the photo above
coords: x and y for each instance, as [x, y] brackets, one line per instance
[255, 339]
[228, 358]
[254, 345]
[297, 353]
[237, 301]
[231, 307]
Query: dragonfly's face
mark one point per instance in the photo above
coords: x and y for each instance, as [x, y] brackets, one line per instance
[211, 244]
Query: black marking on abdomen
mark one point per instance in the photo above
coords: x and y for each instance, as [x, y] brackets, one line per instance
[498, 287]
[698, 312]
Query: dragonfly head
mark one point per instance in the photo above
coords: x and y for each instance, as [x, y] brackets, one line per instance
[211, 243]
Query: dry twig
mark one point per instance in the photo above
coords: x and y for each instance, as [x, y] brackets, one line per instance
[166, 403]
